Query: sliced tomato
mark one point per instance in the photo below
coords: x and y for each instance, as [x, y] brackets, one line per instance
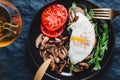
[54, 17]
[52, 34]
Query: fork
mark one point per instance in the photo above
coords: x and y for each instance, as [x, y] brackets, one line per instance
[105, 13]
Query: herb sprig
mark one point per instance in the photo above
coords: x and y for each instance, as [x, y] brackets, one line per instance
[102, 45]
[74, 7]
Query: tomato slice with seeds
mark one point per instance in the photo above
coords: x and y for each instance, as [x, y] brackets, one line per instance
[54, 17]
[52, 34]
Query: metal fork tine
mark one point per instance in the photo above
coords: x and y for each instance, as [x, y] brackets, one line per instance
[101, 18]
[100, 12]
[102, 9]
[101, 15]
[104, 13]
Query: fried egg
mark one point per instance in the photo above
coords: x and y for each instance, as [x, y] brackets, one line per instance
[82, 39]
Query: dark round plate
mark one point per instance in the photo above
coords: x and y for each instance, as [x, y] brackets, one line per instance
[34, 52]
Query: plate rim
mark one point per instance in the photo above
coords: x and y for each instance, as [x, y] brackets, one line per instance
[90, 76]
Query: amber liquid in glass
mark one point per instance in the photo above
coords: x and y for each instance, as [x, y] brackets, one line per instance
[10, 23]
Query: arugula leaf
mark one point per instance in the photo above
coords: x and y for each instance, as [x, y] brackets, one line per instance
[97, 65]
[91, 12]
[102, 45]
[69, 30]
[92, 61]
[71, 68]
[96, 32]
[74, 7]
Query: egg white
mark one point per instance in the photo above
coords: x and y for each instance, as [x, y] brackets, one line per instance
[82, 29]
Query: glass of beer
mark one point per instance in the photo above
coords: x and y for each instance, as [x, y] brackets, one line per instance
[10, 23]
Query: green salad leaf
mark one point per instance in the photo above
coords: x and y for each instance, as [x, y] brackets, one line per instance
[71, 68]
[102, 45]
[74, 7]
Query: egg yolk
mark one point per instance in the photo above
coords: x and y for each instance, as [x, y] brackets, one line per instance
[78, 39]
